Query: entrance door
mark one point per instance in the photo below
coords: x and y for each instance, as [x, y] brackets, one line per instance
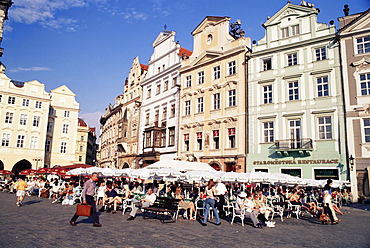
[295, 133]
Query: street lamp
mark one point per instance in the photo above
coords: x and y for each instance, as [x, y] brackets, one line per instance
[351, 161]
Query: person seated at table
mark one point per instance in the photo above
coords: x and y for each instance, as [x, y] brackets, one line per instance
[110, 196]
[101, 193]
[137, 189]
[183, 204]
[346, 197]
[244, 203]
[149, 200]
[259, 202]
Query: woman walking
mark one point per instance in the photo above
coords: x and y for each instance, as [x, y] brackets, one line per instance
[210, 192]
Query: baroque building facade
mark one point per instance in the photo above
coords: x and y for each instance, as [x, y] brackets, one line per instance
[119, 126]
[354, 38]
[160, 102]
[36, 132]
[213, 100]
[296, 117]
[86, 144]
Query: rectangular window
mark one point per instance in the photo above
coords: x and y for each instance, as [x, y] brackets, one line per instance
[9, 117]
[231, 136]
[34, 141]
[50, 127]
[47, 146]
[63, 147]
[232, 98]
[20, 141]
[173, 110]
[267, 94]
[157, 139]
[174, 82]
[148, 139]
[147, 117]
[325, 129]
[158, 89]
[25, 102]
[165, 86]
[65, 128]
[80, 158]
[295, 30]
[156, 117]
[293, 90]
[82, 138]
[200, 141]
[200, 103]
[216, 139]
[186, 142]
[1, 97]
[365, 84]
[11, 100]
[267, 64]
[284, 33]
[268, 132]
[201, 77]
[363, 44]
[38, 104]
[188, 81]
[149, 94]
[81, 148]
[171, 138]
[163, 138]
[36, 121]
[51, 111]
[187, 107]
[216, 72]
[232, 68]
[367, 130]
[322, 86]
[66, 113]
[6, 139]
[216, 101]
[23, 120]
[292, 59]
[164, 113]
[320, 53]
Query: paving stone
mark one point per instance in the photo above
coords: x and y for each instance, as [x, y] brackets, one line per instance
[39, 223]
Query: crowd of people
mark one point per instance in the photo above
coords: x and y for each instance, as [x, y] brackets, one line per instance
[252, 201]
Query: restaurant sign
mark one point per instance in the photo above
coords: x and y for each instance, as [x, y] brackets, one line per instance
[298, 161]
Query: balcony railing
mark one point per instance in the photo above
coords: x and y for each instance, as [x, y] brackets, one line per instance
[294, 144]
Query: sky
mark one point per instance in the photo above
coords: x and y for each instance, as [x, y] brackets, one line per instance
[89, 45]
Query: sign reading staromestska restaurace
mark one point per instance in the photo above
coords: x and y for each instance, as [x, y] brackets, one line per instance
[298, 161]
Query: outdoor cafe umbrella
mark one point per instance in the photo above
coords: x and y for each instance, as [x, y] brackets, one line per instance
[77, 172]
[6, 172]
[43, 171]
[28, 172]
[59, 171]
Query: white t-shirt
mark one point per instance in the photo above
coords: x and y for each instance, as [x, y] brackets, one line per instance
[151, 198]
[221, 189]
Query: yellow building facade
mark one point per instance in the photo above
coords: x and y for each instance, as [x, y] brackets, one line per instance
[213, 97]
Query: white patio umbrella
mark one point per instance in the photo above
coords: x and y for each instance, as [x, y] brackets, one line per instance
[198, 175]
[108, 172]
[77, 172]
[164, 172]
[256, 177]
[91, 170]
[140, 173]
[124, 172]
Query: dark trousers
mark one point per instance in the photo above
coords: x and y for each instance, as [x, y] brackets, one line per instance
[328, 211]
[90, 201]
[220, 205]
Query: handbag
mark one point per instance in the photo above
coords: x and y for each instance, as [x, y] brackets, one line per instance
[83, 210]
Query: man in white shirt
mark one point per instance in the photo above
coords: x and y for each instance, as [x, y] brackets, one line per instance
[221, 191]
[146, 202]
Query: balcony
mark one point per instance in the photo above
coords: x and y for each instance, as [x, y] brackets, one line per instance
[300, 145]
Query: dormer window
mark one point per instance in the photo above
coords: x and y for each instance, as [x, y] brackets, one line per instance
[289, 31]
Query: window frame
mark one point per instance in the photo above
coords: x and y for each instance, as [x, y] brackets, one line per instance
[293, 90]
[232, 68]
[267, 93]
[322, 85]
[325, 129]
[216, 72]
[268, 132]
[232, 98]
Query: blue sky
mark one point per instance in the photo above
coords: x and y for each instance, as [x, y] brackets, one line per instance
[89, 45]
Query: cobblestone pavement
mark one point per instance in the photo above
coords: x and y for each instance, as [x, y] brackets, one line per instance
[39, 223]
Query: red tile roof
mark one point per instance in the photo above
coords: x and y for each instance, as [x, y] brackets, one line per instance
[144, 67]
[186, 51]
[81, 123]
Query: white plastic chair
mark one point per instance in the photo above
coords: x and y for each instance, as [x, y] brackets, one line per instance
[126, 204]
[236, 214]
[294, 209]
